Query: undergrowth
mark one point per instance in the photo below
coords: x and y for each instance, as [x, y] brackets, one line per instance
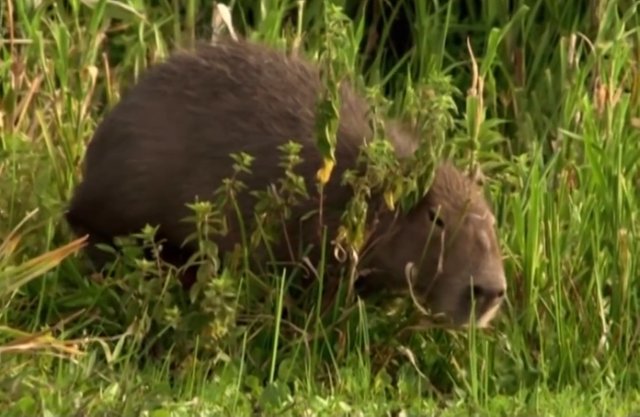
[543, 97]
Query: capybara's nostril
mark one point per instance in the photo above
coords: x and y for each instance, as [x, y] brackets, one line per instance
[487, 293]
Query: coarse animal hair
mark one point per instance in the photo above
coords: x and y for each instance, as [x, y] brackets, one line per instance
[169, 138]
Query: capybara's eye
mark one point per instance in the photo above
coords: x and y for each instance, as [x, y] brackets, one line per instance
[435, 217]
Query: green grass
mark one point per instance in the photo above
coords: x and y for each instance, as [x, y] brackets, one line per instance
[556, 132]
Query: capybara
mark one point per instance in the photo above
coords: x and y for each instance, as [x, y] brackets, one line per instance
[169, 140]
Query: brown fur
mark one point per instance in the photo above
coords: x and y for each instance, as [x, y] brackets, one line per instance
[169, 139]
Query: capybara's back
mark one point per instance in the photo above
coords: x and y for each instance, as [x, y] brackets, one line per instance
[170, 138]
[168, 142]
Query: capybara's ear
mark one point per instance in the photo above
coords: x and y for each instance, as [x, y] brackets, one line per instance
[402, 136]
[476, 175]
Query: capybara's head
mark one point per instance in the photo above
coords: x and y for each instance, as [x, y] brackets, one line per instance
[447, 249]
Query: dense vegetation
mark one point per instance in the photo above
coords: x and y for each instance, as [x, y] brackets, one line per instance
[545, 95]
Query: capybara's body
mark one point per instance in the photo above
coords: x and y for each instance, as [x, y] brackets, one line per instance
[169, 140]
